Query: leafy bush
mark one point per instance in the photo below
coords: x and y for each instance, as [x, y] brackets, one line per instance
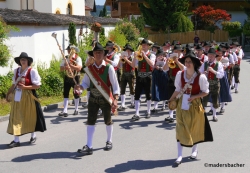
[234, 28]
[246, 28]
[117, 36]
[5, 84]
[140, 24]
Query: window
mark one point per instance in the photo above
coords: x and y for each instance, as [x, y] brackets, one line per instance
[69, 9]
[27, 4]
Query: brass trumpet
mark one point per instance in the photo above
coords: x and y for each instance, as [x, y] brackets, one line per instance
[139, 56]
[171, 63]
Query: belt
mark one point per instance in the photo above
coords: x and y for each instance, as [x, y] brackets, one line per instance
[213, 82]
[144, 74]
[95, 92]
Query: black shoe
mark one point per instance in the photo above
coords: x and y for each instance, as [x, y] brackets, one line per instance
[121, 108]
[193, 157]
[109, 146]
[210, 112]
[86, 150]
[176, 164]
[169, 119]
[236, 91]
[135, 118]
[85, 105]
[222, 110]
[14, 144]
[226, 103]
[75, 113]
[215, 119]
[132, 106]
[232, 87]
[154, 111]
[147, 115]
[33, 140]
[63, 114]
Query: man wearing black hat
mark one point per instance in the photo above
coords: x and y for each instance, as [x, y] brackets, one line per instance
[143, 80]
[200, 55]
[99, 78]
[214, 71]
[166, 48]
[238, 53]
[155, 48]
[128, 75]
[206, 46]
[69, 82]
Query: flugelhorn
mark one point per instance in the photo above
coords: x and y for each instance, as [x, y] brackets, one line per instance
[139, 56]
[171, 62]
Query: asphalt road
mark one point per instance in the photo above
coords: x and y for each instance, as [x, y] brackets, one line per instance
[147, 145]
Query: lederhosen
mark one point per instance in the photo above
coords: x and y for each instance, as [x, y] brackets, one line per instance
[143, 80]
[26, 116]
[97, 101]
[229, 70]
[171, 78]
[69, 83]
[214, 86]
[236, 69]
[127, 76]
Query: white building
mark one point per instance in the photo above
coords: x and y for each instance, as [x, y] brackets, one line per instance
[73, 7]
[36, 29]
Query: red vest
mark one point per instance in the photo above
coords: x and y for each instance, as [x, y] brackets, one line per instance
[127, 67]
[202, 58]
[26, 80]
[195, 85]
[111, 58]
[211, 76]
[143, 66]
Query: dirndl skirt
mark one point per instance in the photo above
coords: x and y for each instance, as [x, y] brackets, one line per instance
[159, 85]
[192, 126]
[225, 94]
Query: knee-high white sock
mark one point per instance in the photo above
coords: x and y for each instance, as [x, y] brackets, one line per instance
[149, 106]
[155, 104]
[171, 113]
[163, 104]
[137, 105]
[109, 130]
[33, 135]
[132, 99]
[88, 94]
[90, 134]
[123, 100]
[222, 104]
[236, 86]
[179, 151]
[16, 139]
[233, 81]
[65, 105]
[211, 106]
[214, 111]
[195, 150]
[76, 104]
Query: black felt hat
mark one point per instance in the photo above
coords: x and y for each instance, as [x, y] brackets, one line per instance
[167, 43]
[127, 46]
[97, 47]
[174, 42]
[192, 56]
[226, 45]
[145, 41]
[109, 44]
[235, 43]
[178, 47]
[23, 55]
[207, 43]
[211, 51]
[156, 45]
[219, 49]
[160, 52]
[199, 47]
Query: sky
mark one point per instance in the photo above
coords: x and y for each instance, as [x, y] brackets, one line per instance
[100, 2]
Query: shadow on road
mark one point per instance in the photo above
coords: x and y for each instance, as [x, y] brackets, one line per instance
[141, 165]
[136, 124]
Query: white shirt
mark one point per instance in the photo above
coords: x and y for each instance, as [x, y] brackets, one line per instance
[225, 64]
[35, 77]
[235, 57]
[152, 58]
[220, 70]
[205, 57]
[204, 85]
[78, 61]
[112, 77]
[116, 60]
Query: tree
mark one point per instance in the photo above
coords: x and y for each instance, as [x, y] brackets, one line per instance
[181, 23]
[72, 34]
[208, 18]
[103, 12]
[4, 49]
[234, 28]
[140, 24]
[159, 14]
[246, 27]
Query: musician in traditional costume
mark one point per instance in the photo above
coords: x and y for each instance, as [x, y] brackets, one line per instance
[238, 53]
[200, 54]
[143, 80]
[192, 126]
[159, 81]
[225, 94]
[75, 64]
[155, 48]
[167, 48]
[214, 71]
[172, 71]
[128, 76]
[100, 77]
[26, 115]
[206, 46]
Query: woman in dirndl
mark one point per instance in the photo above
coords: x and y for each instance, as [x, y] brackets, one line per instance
[225, 94]
[192, 126]
[26, 115]
[159, 81]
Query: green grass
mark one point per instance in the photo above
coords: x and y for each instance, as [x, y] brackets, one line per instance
[5, 106]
